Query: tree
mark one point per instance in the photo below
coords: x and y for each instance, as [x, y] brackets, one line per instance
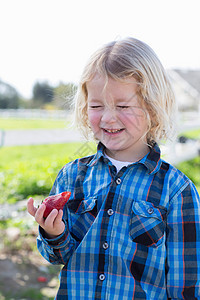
[42, 93]
[64, 94]
[9, 97]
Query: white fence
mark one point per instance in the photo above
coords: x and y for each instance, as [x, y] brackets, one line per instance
[57, 114]
[33, 113]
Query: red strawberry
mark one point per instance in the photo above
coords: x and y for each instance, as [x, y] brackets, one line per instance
[55, 201]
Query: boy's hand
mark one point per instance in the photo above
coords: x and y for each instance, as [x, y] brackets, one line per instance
[53, 224]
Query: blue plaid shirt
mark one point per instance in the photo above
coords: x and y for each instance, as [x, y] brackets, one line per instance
[134, 234]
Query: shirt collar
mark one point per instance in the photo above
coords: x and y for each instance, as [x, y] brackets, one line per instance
[151, 161]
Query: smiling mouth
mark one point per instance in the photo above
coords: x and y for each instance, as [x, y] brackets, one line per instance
[113, 130]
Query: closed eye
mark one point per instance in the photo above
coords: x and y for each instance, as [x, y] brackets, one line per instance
[95, 106]
[123, 106]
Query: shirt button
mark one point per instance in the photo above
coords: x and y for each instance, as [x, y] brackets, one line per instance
[102, 277]
[150, 210]
[118, 181]
[110, 212]
[105, 245]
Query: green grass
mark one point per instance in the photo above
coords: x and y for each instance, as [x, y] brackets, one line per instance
[192, 169]
[28, 294]
[12, 123]
[192, 134]
[31, 170]
[32, 294]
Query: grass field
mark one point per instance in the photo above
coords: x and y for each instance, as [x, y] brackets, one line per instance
[192, 134]
[11, 123]
[31, 170]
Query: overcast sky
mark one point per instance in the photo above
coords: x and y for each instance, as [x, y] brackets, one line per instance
[52, 39]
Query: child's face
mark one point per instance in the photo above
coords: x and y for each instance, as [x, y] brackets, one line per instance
[117, 118]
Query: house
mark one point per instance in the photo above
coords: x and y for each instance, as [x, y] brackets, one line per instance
[186, 85]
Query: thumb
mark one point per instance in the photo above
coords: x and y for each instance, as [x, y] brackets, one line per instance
[30, 207]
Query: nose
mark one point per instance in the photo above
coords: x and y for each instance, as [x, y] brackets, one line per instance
[109, 115]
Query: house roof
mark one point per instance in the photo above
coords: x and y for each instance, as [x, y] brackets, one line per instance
[191, 76]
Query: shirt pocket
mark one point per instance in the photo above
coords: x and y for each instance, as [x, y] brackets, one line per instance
[82, 213]
[147, 223]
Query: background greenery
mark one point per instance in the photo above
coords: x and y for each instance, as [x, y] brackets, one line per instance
[12, 123]
[191, 134]
[44, 95]
[31, 170]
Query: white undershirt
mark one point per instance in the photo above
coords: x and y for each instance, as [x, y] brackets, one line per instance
[117, 163]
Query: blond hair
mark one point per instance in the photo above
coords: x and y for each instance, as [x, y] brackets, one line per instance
[127, 58]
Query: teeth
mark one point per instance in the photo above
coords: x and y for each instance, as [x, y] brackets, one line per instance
[113, 130]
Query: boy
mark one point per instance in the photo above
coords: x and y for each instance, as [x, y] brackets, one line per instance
[131, 228]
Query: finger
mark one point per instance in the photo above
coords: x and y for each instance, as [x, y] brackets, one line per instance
[58, 219]
[30, 207]
[39, 215]
[51, 217]
[59, 225]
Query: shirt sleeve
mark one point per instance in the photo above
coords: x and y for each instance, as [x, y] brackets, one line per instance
[59, 249]
[183, 244]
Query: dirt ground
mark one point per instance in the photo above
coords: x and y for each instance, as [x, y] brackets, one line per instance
[24, 274]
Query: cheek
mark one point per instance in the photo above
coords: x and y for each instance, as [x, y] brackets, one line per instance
[94, 118]
[134, 121]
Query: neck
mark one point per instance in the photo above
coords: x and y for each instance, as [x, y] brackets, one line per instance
[130, 157]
